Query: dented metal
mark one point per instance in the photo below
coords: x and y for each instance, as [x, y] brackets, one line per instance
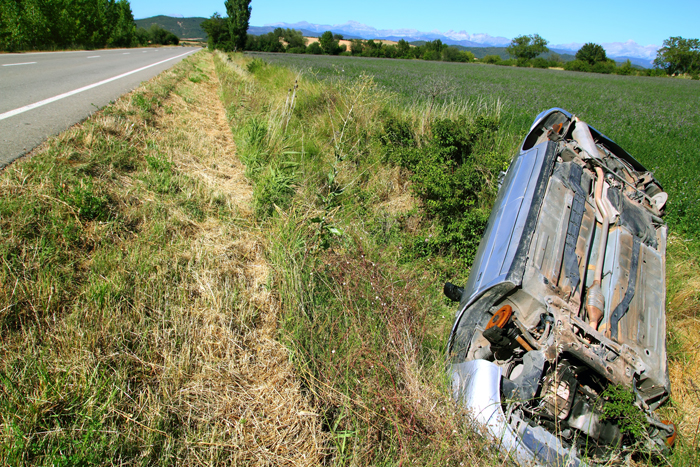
[574, 251]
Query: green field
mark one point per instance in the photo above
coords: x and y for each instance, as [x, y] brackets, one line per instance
[657, 120]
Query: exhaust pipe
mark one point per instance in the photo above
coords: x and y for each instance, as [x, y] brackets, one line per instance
[595, 301]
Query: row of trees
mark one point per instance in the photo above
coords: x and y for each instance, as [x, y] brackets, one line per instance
[676, 57]
[230, 33]
[37, 24]
[292, 41]
[63, 24]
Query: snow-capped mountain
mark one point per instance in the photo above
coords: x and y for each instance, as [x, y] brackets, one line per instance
[353, 29]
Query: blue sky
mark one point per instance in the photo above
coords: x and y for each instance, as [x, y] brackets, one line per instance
[643, 21]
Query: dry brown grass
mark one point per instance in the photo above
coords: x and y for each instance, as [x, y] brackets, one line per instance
[194, 374]
[683, 311]
[246, 380]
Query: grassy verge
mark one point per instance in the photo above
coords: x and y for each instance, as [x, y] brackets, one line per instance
[341, 191]
[376, 202]
[136, 323]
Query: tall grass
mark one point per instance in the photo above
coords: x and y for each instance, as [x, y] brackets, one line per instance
[360, 252]
[364, 320]
[656, 119]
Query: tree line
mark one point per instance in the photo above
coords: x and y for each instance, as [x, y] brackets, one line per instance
[676, 57]
[65, 24]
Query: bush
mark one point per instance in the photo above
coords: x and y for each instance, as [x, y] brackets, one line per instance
[314, 48]
[606, 67]
[577, 65]
[540, 62]
[494, 59]
[453, 174]
[625, 69]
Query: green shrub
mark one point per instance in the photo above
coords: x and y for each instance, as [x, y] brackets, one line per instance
[577, 65]
[256, 65]
[453, 176]
[274, 187]
[314, 48]
[606, 67]
[619, 408]
[539, 62]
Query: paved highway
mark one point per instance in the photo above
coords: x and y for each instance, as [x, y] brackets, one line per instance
[42, 94]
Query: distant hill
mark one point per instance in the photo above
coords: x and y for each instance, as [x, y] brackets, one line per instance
[187, 28]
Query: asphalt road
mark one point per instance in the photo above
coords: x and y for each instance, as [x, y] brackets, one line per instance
[42, 94]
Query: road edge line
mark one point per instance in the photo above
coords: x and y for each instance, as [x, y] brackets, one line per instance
[28, 107]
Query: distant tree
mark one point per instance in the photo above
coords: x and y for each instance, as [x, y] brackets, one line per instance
[591, 53]
[679, 55]
[314, 48]
[329, 43]
[625, 69]
[141, 36]
[491, 59]
[238, 12]
[123, 27]
[294, 38]
[527, 47]
[158, 35]
[373, 49]
[218, 35]
[404, 49]
[450, 54]
[433, 50]
[555, 58]
[356, 46]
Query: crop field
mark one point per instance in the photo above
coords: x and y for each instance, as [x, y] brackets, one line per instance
[657, 120]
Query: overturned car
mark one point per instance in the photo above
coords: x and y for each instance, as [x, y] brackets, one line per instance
[558, 348]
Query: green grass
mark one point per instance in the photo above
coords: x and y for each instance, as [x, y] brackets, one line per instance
[657, 120]
[360, 293]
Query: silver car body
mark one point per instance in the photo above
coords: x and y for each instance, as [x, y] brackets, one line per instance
[574, 255]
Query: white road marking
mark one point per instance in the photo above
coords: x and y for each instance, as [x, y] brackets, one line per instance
[95, 56]
[16, 64]
[126, 53]
[26, 108]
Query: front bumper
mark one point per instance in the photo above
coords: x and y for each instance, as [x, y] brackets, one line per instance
[477, 385]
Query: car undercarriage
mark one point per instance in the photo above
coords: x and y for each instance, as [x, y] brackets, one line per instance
[559, 343]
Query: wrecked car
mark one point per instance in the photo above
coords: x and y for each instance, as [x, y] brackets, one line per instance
[558, 348]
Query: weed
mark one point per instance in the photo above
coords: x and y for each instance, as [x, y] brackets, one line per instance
[85, 202]
[619, 407]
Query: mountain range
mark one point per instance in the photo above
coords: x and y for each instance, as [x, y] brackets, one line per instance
[620, 51]
[638, 54]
